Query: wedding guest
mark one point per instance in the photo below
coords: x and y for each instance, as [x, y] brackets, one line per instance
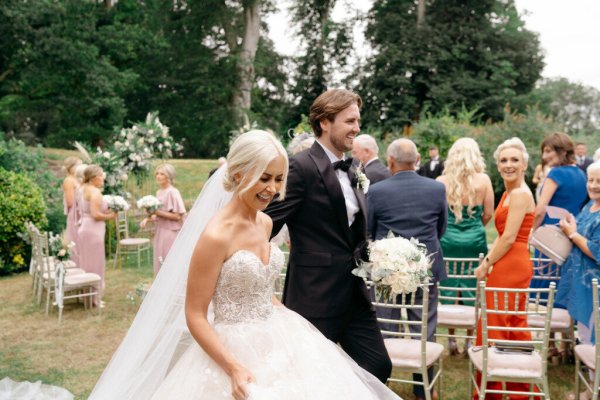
[509, 255]
[220, 161]
[168, 218]
[470, 198]
[597, 155]
[435, 166]
[564, 187]
[583, 264]
[583, 161]
[539, 175]
[69, 186]
[365, 148]
[94, 213]
[410, 206]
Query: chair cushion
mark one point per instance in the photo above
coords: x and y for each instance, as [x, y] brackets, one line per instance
[406, 353]
[134, 241]
[508, 364]
[587, 354]
[68, 272]
[560, 320]
[81, 279]
[456, 315]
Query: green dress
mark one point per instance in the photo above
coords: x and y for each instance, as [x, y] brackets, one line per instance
[465, 240]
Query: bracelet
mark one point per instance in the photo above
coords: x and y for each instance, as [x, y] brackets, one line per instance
[572, 235]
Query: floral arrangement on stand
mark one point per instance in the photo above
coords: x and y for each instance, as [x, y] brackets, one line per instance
[149, 203]
[396, 265]
[60, 248]
[116, 203]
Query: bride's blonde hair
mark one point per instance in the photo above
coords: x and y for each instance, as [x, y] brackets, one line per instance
[248, 157]
[463, 163]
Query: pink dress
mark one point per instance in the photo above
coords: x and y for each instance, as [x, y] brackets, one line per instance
[91, 239]
[166, 229]
[73, 223]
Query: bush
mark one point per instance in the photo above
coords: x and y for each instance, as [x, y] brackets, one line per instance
[16, 157]
[21, 200]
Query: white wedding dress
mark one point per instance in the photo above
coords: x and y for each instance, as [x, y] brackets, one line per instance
[289, 358]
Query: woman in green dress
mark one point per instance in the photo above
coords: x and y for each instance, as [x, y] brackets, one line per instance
[470, 199]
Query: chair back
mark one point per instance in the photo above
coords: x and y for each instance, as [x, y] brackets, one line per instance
[41, 253]
[407, 329]
[514, 302]
[596, 313]
[122, 225]
[461, 269]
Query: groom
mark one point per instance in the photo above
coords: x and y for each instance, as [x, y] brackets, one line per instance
[325, 213]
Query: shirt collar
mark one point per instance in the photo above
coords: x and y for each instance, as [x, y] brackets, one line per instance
[332, 157]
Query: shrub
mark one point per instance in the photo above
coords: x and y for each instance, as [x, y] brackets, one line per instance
[21, 200]
[16, 157]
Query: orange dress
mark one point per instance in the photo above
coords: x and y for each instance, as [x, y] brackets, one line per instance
[514, 270]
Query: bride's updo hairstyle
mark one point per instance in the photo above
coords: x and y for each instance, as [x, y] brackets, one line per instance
[248, 158]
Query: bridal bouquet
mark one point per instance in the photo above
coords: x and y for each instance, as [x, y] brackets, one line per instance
[116, 203]
[396, 265]
[59, 247]
[150, 203]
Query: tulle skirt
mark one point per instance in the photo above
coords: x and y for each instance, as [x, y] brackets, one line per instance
[289, 358]
[10, 389]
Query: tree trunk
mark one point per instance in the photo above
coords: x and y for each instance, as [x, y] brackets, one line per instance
[242, 100]
[420, 13]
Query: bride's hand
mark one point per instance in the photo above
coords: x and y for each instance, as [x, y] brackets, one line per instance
[240, 378]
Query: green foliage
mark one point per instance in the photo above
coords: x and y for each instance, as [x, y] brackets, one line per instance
[21, 200]
[16, 157]
[474, 53]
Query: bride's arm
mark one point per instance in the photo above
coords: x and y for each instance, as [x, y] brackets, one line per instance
[205, 266]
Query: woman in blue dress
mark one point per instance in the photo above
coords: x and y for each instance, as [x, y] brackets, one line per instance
[583, 264]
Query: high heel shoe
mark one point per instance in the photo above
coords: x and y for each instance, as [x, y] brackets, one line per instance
[452, 347]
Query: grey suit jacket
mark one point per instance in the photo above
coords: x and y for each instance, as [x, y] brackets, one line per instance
[410, 205]
[376, 171]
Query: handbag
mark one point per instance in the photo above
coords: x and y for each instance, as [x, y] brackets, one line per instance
[552, 242]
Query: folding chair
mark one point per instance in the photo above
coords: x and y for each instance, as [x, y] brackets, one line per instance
[127, 245]
[512, 366]
[589, 354]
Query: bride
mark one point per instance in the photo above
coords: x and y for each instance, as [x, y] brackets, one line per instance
[254, 348]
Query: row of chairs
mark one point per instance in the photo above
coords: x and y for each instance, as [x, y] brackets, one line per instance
[59, 281]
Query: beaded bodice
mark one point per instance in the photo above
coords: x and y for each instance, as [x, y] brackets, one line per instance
[245, 287]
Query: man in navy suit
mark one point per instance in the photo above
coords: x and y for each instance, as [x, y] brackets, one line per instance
[366, 150]
[411, 205]
[325, 212]
[583, 161]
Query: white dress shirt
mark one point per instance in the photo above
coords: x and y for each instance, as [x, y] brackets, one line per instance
[349, 196]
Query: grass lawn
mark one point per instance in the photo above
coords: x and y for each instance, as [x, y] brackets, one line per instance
[34, 346]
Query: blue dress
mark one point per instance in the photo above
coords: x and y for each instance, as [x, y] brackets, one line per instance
[570, 194]
[575, 287]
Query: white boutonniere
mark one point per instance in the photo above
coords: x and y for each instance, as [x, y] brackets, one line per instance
[362, 180]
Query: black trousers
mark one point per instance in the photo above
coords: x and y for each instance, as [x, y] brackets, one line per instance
[358, 334]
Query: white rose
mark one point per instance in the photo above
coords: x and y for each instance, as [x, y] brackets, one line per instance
[126, 143]
[151, 132]
[152, 139]
[168, 144]
[106, 154]
[137, 158]
[140, 141]
[123, 177]
[62, 253]
[163, 135]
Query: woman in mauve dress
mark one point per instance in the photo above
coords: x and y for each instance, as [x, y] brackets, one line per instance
[169, 218]
[70, 185]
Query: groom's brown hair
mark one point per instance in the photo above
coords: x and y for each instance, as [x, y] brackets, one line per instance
[329, 104]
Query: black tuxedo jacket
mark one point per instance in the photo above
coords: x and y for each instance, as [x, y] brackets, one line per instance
[425, 169]
[376, 171]
[319, 281]
[586, 163]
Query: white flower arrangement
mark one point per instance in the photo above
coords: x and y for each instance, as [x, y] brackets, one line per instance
[149, 203]
[362, 181]
[59, 247]
[396, 265]
[116, 203]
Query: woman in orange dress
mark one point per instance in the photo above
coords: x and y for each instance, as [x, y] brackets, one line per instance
[509, 255]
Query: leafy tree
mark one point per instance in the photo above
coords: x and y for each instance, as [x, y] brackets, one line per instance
[573, 105]
[474, 53]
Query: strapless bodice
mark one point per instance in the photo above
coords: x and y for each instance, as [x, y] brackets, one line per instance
[245, 287]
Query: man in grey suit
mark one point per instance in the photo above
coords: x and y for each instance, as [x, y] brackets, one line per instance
[411, 205]
[366, 150]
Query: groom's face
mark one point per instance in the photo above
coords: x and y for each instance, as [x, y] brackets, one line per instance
[343, 129]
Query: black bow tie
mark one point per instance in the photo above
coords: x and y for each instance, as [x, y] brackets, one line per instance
[344, 165]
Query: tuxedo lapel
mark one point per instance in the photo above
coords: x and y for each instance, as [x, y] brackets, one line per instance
[333, 187]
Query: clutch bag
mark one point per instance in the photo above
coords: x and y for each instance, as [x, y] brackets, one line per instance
[552, 242]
